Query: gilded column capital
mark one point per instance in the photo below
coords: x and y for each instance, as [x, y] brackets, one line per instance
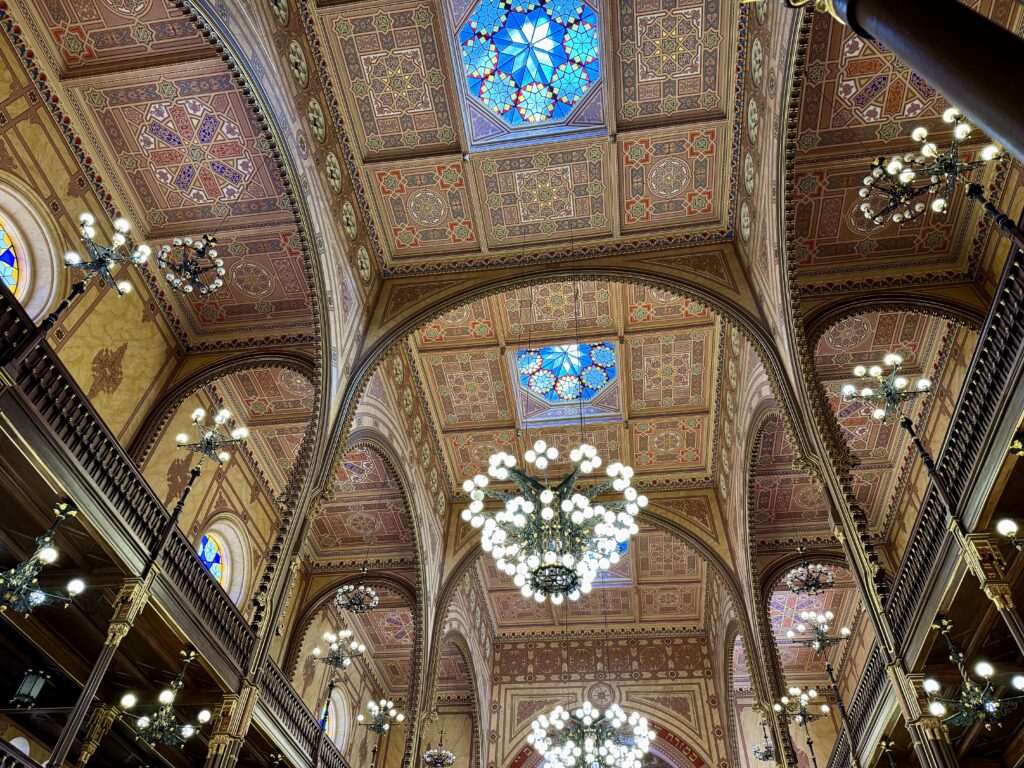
[823, 6]
[934, 729]
[1000, 594]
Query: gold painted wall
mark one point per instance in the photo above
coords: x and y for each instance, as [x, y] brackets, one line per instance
[229, 493]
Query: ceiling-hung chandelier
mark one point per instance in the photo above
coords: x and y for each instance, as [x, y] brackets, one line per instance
[438, 757]
[809, 578]
[589, 737]
[553, 540]
[383, 715]
[358, 598]
[192, 264]
[899, 181]
[342, 648]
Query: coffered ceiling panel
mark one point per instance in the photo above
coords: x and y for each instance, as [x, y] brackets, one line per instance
[658, 586]
[389, 58]
[389, 633]
[365, 520]
[800, 664]
[657, 413]
[103, 35]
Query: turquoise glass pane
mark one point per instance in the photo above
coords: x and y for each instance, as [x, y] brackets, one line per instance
[211, 553]
[567, 373]
[531, 61]
[10, 269]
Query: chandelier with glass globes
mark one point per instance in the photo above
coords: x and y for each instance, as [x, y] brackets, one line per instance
[358, 597]
[588, 737]
[553, 539]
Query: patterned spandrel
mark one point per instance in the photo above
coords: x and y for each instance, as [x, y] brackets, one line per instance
[211, 553]
[567, 372]
[10, 266]
[530, 61]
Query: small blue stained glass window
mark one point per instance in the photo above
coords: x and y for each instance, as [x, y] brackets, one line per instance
[211, 553]
[10, 266]
[567, 373]
[530, 61]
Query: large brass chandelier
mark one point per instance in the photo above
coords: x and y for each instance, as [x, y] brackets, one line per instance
[588, 737]
[553, 540]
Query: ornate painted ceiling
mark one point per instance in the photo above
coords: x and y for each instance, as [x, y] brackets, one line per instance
[858, 101]
[644, 157]
[657, 588]
[658, 414]
[364, 520]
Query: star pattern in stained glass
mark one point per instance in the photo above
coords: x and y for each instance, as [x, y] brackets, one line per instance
[530, 61]
[211, 553]
[567, 372]
[10, 267]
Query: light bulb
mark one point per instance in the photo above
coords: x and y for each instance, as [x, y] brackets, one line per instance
[166, 696]
[920, 133]
[875, 371]
[239, 433]
[198, 414]
[1018, 682]
[951, 115]
[124, 287]
[939, 205]
[87, 219]
[71, 258]
[984, 669]
[1006, 527]
[187, 731]
[930, 685]
[924, 384]
[223, 456]
[878, 413]
[962, 131]
[142, 722]
[991, 152]
[47, 555]
[128, 701]
[859, 371]
[181, 438]
[76, 587]
[937, 708]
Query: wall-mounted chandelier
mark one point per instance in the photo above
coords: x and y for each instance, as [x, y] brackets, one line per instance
[439, 757]
[342, 648]
[810, 578]
[19, 586]
[900, 181]
[163, 727]
[358, 597]
[383, 715]
[974, 702]
[891, 390]
[588, 736]
[553, 540]
[192, 264]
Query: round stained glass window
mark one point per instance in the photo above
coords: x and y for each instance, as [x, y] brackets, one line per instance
[567, 373]
[530, 61]
[211, 553]
[10, 265]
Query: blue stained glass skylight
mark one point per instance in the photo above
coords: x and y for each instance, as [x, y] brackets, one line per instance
[10, 267]
[567, 373]
[211, 553]
[530, 61]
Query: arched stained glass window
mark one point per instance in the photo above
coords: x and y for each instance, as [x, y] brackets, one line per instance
[530, 61]
[10, 265]
[211, 553]
[568, 372]
[329, 721]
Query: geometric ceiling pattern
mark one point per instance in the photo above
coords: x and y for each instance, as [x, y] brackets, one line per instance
[657, 587]
[658, 415]
[180, 146]
[648, 145]
[363, 520]
[882, 450]
[275, 404]
[859, 101]
[389, 633]
[801, 665]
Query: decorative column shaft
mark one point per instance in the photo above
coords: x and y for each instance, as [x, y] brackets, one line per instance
[972, 61]
[103, 717]
[128, 604]
[231, 727]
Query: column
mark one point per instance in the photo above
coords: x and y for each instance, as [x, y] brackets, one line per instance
[936, 735]
[972, 61]
[231, 726]
[988, 566]
[103, 717]
[929, 749]
[128, 604]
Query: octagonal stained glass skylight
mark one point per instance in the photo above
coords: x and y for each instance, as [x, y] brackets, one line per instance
[567, 373]
[530, 61]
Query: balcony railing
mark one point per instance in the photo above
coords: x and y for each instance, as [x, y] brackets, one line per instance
[112, 493]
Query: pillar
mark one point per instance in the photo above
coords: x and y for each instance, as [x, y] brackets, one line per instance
[231, 726]
[103, 717]
[929, 736]
[128, 604]
[972, 61]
